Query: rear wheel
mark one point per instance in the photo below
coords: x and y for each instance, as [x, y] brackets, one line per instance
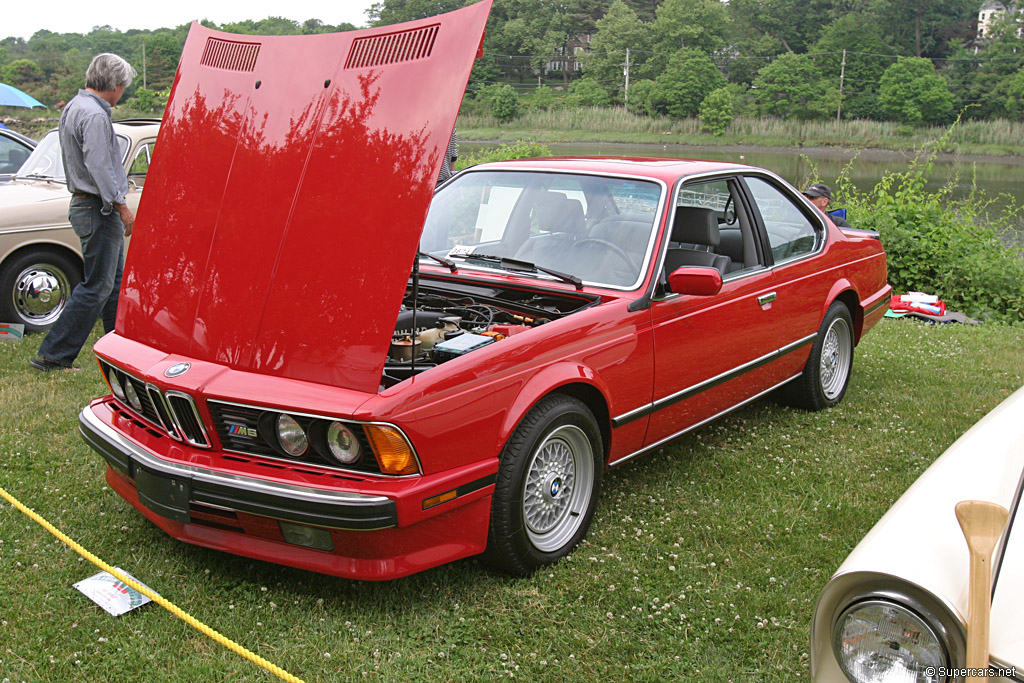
[35, 287]
[547, 487]
[827, 373]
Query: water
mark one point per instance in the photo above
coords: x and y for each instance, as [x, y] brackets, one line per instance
[995, 175]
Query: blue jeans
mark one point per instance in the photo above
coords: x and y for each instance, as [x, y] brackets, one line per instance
[102, 240]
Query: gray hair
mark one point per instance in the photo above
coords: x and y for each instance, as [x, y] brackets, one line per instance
[107, 71]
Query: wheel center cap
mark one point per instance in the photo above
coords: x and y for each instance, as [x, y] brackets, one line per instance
[555, 487]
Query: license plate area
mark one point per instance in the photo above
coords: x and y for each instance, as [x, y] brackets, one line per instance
[167, 496]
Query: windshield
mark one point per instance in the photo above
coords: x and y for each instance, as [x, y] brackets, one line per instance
[45, 160]
[597, 228]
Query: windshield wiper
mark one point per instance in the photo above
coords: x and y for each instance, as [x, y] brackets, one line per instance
[448, 263]
[507, 263]
[35, 176]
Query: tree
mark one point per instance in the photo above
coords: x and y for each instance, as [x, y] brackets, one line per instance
[702, 24]
[785, 21]
[639, 101]
[861, 37]
[982, 79]
[388, 12]
[22, 72]
[587, 92]
[1015, 97]
[716, 111]
[502, 99]
[617, 30]
[912, 92]
[689, 77]
[791, 87]
[925, 28]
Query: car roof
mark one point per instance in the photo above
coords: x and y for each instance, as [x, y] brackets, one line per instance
[659, 168]
[15, 135]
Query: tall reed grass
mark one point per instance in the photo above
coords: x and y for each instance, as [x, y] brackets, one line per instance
[616, 124]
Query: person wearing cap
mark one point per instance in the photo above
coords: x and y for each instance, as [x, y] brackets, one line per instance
[820, 195]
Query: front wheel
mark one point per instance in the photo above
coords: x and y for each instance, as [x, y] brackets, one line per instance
[35, 287]
[827, 373]
[547, 487]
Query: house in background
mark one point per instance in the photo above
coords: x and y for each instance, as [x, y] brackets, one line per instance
[991, 10]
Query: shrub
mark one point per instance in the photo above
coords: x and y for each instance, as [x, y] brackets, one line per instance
[502, 99]
[639, 101]
[521, 149]
[587, 92]
[716, 111]
[942, 246]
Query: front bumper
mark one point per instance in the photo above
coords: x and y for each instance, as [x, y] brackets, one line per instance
[383, 533]
[169, 488]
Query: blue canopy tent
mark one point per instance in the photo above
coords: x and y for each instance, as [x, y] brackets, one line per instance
[12, 97]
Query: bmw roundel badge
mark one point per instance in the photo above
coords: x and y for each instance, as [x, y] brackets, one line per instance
[177, 369]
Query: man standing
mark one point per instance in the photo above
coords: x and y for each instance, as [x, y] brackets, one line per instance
[98, 214]
[820, 195]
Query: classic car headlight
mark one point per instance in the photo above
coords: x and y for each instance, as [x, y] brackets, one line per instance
[879, 641]
[115, 384]
[343, 444]
[291, 435]
[133, 396]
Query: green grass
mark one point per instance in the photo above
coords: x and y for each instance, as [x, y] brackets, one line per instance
[705, 556]
[596, 124]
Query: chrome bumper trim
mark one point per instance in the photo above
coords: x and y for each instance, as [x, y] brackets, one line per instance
[168, 488]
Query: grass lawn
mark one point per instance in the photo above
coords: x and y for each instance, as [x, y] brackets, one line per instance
[703, 562]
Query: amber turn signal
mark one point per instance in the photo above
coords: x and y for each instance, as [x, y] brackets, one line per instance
[393, 453]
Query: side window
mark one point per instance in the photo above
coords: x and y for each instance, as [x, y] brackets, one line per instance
[140, 164]
[12, 155]
[710, 227]
[790, 232]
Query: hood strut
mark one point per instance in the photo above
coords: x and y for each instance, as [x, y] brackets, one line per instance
[415, 305]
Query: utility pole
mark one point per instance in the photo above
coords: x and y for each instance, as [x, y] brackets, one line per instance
[625, 72]
[144, 66]
[842, 75]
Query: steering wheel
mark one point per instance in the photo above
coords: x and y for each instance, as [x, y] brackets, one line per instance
[609, 246]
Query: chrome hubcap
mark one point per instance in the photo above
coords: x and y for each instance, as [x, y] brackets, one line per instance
[41, 292]
[559, 484]
[836, 354]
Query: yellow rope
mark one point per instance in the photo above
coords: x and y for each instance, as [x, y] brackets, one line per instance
[166, 604]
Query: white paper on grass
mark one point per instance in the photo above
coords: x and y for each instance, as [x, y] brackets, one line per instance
[111, 594]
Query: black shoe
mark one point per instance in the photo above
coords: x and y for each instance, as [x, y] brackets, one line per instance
[44, 365]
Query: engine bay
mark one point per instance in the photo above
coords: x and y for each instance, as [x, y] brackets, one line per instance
[443, 319]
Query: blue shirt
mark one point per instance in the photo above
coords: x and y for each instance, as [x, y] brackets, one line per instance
[92, 159]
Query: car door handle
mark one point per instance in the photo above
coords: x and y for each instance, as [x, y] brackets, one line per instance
[766, 298]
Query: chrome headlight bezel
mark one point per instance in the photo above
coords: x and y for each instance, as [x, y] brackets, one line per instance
[901, 618]
[939, 616]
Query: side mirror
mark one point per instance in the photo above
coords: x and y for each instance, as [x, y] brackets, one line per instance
[696, 280]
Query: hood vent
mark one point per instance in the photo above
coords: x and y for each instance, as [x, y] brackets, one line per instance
[390, 48]
[230, 55]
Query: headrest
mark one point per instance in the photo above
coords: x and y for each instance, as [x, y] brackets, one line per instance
[555, 212]
[695, 225]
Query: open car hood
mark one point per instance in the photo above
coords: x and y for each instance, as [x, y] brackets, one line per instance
[289, 186]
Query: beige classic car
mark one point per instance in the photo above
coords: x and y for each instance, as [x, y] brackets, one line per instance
[40, 255]
[897, 608]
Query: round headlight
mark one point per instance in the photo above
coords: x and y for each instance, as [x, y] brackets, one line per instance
[115, 385]
[132, 395]
[878, 641]
[291, 436]
[343, 444]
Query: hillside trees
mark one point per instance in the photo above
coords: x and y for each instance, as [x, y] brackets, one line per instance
[912, 92]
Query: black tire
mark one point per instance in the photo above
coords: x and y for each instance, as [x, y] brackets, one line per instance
[35, 286]
[548, 482]
[827, 374]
